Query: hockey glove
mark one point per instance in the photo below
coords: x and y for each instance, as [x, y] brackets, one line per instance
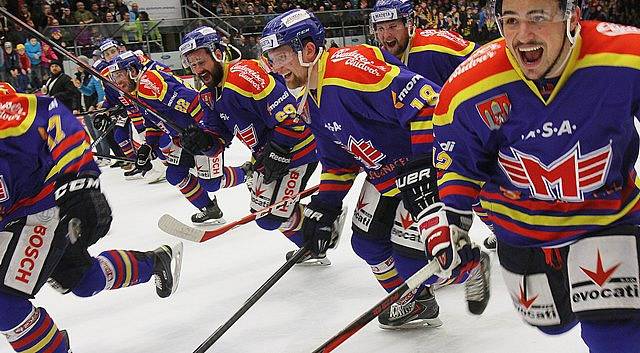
[273, 162]
[101, 121]
[418, 186]
[317, 226]
[445, 233]
[197, 141]
[79, 197]
[144, 155]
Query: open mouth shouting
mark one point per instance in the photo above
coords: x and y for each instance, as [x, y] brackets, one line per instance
[530, 55]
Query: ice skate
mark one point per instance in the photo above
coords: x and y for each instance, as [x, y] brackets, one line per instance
[157, 174]
[477, 288]
[166, 268]
[208, 215]
[310, 259]
[418, 311]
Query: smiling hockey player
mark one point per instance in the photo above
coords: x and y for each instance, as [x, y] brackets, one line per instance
[370, 114]
[540, 126]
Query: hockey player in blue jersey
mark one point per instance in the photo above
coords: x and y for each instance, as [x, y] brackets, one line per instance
[540, 126]
[247, 102]
[51, 211]
[179, 103]
[368, 112]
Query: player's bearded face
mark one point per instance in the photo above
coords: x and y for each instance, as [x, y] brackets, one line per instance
[123, 81]
[204, 66]
[393, 36]
[535, 34]
[284, 61]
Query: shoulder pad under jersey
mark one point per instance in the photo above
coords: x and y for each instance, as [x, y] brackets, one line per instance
[152, 85]
[360, 66]
[249, 79]
[604, 37]
[441, 41]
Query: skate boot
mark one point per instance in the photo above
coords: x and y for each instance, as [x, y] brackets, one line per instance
[490, 242]
[157, 174]
[412, 312]
[477, 288]
[210, 214]
[310, 259]
[321, 259]
[138, 172]
[166, 268]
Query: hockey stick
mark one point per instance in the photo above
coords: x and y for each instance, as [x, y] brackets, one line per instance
[102, 135]
[115, 158]
[409, 285]
[93, 112]
[88, 68]
[171, 225]
[299, 254]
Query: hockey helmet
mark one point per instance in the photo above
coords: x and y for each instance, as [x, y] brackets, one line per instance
[207, 38]
[125, 62]
[388, 10]
[291, 28]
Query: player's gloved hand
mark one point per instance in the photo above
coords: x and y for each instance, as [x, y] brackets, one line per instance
[273, 162]
[79, 197]
[143, 159]
[317, 226]
[102, 121]
[418, 186]
[197, 141]
[445, 233]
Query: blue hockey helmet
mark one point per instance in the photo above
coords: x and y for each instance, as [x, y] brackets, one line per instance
[100, 64]
[202, 37]
[388, 10]
[291, 28]
[126, 61]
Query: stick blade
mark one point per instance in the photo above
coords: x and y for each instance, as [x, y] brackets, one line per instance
[172, 226]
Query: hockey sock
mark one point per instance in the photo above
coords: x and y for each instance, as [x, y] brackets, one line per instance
[292, 227]
[387, 274]
[36, 333]
[115, 269]
[232, 176]
[191, 189]
[408, 266]
[604, 336]
[127, 148]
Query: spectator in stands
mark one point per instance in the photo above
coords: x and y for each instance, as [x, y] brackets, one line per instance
[66, 18]
[3, 70]
[16, 35]
[146, 29]
[34, 52]
[97, 13]
[133, 13]
[25, 63]
[121, 8]
[48, 55]
[82, 16]
[128, 29]
[10, 58]
[60, 86]
[24, 13]
[90, 88]
[19, 81]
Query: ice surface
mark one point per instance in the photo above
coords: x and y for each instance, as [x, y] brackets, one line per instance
[305, 308]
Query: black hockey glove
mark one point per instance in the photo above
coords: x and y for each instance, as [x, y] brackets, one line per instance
[318, 224]
[418, 185]
[196, 141]
[273, 162]
[79, 197]
[101, 121]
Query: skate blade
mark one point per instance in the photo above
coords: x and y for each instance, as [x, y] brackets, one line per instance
[210, 222]
[315, 263]
[420, 323]
[155, 178]
[133, 177]
[176, 262]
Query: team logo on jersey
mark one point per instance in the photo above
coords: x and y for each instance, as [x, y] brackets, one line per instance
[365, 152]
[353, 58]
[257, 80]
[4, 191]
[13, 111]
[525, 301]
[567, 178]
[207, 97]
[494, 111]
[152, 85]
[246, 135]
[612, 29]
[406, 220]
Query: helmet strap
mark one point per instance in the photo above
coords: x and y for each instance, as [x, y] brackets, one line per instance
[310, 67]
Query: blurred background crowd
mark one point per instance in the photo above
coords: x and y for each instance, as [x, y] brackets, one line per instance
[82, 25]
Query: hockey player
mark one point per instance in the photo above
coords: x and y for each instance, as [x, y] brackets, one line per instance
[252, 105]
[52, 210]
[179, 103]
[434, 54]
[368, 113]
[540, 126]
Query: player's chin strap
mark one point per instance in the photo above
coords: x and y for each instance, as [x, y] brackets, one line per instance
[573, 40]
[310, 66]
[228, 48]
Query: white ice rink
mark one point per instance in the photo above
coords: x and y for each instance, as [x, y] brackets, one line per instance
[306, 307]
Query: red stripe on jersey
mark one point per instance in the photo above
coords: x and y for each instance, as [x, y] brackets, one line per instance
[458, 190]
[87, 158]
[537, 234]
[422, 138]
[55, 344]
[426, 111]
[305, 151]
[385, 185]
[334, 187]
[72, 140]
[119, 280]
[287, 132]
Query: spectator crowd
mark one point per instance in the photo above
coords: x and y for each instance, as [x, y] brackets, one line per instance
[26, 62]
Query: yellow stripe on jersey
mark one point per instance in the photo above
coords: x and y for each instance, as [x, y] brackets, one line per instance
[443, 49]
[303, 144]
[28, 120]
[421, 125]
[473, 90]
[336, 177]
[609, 59]
[68, 158]
[195, 111]
[257, 96]
[452, 176]
[391, 193]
